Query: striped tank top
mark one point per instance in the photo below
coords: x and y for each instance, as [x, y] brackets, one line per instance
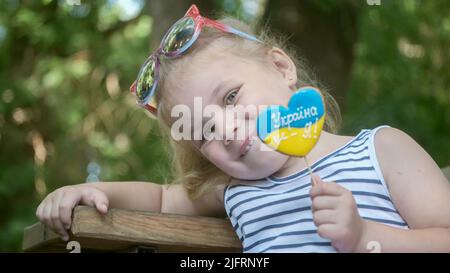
[274, 215]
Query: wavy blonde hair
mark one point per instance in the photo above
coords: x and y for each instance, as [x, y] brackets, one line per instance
[189, 166]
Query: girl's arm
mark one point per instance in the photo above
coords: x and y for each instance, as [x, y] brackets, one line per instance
[144, 196]
[149, 196]
[420, 192]
[175, 200]
[55, 210]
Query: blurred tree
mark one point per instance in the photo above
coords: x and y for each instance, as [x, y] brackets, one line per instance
[401, 75]
[324, 33]
[66, 115]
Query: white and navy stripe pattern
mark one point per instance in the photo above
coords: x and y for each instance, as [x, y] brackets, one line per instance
[274, 215]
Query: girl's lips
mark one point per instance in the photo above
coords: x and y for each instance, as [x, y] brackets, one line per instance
[246, 146]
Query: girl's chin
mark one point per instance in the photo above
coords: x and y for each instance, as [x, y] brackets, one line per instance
[260, 171]
[255, 165]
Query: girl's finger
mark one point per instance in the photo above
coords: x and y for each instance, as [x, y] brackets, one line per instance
[39, 212]
[322, 217]
[328, 231]
[101, 202]
[324, 202]
[68, 202]
[326, 188]
[96, 198]
[41, 208]
[102, 206]
[47, 214]
[56, 220]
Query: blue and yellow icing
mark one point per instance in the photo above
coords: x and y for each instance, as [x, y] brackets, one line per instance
[293, 130]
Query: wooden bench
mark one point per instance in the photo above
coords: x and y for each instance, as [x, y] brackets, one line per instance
[135, 231]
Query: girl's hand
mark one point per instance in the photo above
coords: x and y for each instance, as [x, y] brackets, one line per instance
[335, 215]
[55, 211]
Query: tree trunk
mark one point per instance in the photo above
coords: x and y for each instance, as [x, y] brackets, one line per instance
[323, 34]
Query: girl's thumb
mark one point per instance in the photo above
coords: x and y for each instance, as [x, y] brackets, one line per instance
[102, 207]
[101, 203]
[95, 198]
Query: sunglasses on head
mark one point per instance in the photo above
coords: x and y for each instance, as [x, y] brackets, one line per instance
[179, 38]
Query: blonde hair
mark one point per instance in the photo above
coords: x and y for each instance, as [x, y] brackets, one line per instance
[190, 168]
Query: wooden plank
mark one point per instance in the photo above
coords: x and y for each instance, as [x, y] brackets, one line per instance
[37, 236]
[120, 230]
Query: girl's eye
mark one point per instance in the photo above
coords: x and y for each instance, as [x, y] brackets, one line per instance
[230, 97]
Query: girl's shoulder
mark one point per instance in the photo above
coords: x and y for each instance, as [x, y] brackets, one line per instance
[375, 143]
[399, 154]
[386, 141]
[389, 141]
[413, 177]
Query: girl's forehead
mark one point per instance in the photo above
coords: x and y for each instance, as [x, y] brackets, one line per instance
[201, 77]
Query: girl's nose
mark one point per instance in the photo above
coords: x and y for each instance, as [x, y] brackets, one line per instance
[227, 126]
[228, 137]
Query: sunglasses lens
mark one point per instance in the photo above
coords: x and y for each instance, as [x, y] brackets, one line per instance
[146, 81]
[179, 35]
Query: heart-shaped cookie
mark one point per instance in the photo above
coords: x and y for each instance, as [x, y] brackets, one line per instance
[296, 129]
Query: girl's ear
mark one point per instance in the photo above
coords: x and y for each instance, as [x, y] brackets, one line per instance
[284, 65]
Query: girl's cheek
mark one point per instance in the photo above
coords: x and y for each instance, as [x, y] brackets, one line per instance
[254, 103]
[251, 107]
[216, 157]
[208, 152]
[205, 153]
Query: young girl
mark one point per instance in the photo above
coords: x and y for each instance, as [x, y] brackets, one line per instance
[379, 188]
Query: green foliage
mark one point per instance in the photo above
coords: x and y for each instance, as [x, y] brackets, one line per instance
[401, 73]
[64, 103]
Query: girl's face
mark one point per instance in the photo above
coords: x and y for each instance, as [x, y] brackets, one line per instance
[226, 79]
